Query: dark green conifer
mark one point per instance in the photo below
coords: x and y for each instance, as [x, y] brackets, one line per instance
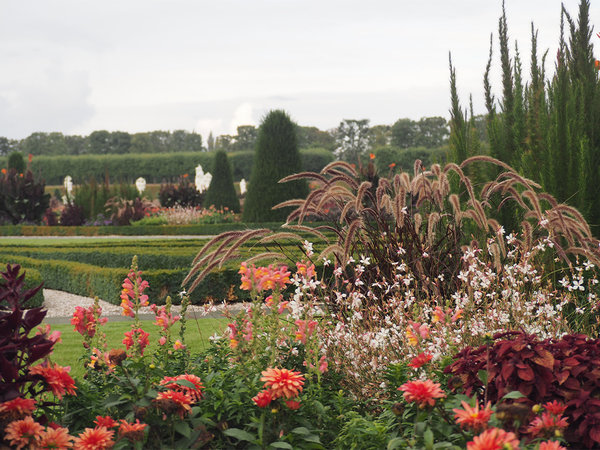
[221, 192]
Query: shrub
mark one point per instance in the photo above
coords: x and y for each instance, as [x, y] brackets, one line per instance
[17, 162]
[221, 192]
[22, 198]
[124, 211]
[72, 215]
[182, 194]
[91, 197]
[565, 370]
[276, 156]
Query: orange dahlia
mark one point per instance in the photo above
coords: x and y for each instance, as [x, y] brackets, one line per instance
[283, 382]
[547, 425]
[422, 392]
[132, 431]
[473, 418]
[55, 438]
[194, 391]
[24, 433]
[494, 439]
[106, 421]
[262, 399]
[98, 438]
[57, 378]
[420, 360]
[551, 445]
[174, 401]
[17, 408]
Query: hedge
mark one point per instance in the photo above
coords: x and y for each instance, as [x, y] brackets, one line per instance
[33, 279]
[155, 168]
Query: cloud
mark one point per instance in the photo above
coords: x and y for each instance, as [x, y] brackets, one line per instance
[241, 116]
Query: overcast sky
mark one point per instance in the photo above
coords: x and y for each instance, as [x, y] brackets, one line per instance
[141, 65]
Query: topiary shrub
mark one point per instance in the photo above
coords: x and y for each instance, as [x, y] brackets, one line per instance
[221, 192]
[22, 199]
[276, 157]
[17, 162]
[182, 194]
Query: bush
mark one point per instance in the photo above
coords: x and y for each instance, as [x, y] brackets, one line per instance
[124, 211]
[22, 199]
[16, 161]
[72, 215]
[182, 194]
[276, 157]
[221, 192]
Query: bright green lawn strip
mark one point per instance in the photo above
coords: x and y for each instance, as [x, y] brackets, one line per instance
[70, 350]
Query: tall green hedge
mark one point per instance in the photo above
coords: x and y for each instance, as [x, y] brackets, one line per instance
[221, 192]
[155, 168]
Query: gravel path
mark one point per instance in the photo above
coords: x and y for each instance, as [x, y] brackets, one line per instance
[61, 305]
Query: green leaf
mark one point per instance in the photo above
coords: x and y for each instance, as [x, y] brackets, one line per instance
[301, 430]
[395, 443]
[483, 376]
[428, 436]
[183, 428]
[280, 444]
[513, 395]
[239, 434]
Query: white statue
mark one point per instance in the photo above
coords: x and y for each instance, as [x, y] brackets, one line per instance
[243, 186]
[202, 180]
[68, 184]
[140, 184]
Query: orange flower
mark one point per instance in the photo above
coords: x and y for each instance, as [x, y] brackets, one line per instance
[57, 378]
[551, 445]
[555, 407]
[597, 64]
[106, 421]
[473, 418]
[420, 360]
[23, 433]
[422, 392]
[262, 399]
[185, 175]
[98, 438]
[174, 401]
[17, 408]
[132, 431]
[292, 404]
[283, 382]
[55, 438]
[3, 171]
[392, 165]
[547, 425]
[194, 392]
[494, 439]
[372, 155]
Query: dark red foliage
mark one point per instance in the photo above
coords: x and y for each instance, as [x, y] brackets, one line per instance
[566, 369]
[18, 349]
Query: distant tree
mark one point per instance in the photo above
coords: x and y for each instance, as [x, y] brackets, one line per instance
[119, 142]
[193, 142]
[210, 143]
[221, 192]
[312, 137]
[276, 156]
[246, 137]
[380, 135]
[5, 146]
[352, 138]
[99, 142]
[404, 132]
[75, 145]
[224, 142]
[432, 132]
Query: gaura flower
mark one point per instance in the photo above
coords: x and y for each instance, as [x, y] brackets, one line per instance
[194, 392]
[283, 382]
[473, 418]
[98, 438]
[55, 438]
[420, 360]
[132, 431]
[494, 438]
[24, 433]
[422, 392]
[57, 378]
[17, 408]
[262, 399]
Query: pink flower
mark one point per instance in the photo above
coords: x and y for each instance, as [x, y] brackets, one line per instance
[162, 340]
[323, 364]
[494, 439]
[473, 418]
[422, 392]
[551, 445]
[136, 335]
[178, 345]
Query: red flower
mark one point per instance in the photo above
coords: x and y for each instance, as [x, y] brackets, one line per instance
[422, 392]
[551, 445]
[292, 404]
[473, 418]
[3, 171]
[138, 335]
[547, 425]
[17, 408]
[132, 431]
[262, 399]
[55, 438]
[98, 438]
[106, 422]
[174, 401]
[494, 439]
[23, 433]
[392, 165]
[57, 378]
[372, 155]
[420, 360]
[282, 382]
[195, 392]
[555, 407]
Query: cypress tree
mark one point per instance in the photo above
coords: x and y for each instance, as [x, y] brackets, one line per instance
[276, 156]
[221, 192]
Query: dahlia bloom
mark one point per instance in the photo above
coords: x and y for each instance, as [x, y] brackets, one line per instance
[292, 404]
[132, 431]
[262, 399]
[17, 408]
[106, 422]
[473, 418]
[282, 382]
[98, 438]
[24, 433]
[555, 407]
[174, 401]
[420, 360]
[494, 439]
[55, 438]
[422, 392]
[57, 378]
[194, 392]
[551, 445]
[547, 424]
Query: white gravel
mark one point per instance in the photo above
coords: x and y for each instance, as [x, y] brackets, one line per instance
[62, 304]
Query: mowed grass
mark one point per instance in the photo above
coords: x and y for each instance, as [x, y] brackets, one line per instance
[70, 350]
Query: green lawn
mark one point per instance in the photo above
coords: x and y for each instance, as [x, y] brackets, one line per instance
[69, 351]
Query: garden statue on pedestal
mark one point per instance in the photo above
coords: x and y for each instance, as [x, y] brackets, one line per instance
[202, 180]
[243, 187]
[140, 185]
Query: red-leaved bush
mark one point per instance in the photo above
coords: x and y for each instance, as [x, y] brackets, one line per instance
[566, 369]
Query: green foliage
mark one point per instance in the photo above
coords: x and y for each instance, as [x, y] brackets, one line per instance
[22, 198]
[276, 157]
[221, 192]
[404, 158]
[16, 161]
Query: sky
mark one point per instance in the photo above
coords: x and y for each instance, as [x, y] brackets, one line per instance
[141, 65]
